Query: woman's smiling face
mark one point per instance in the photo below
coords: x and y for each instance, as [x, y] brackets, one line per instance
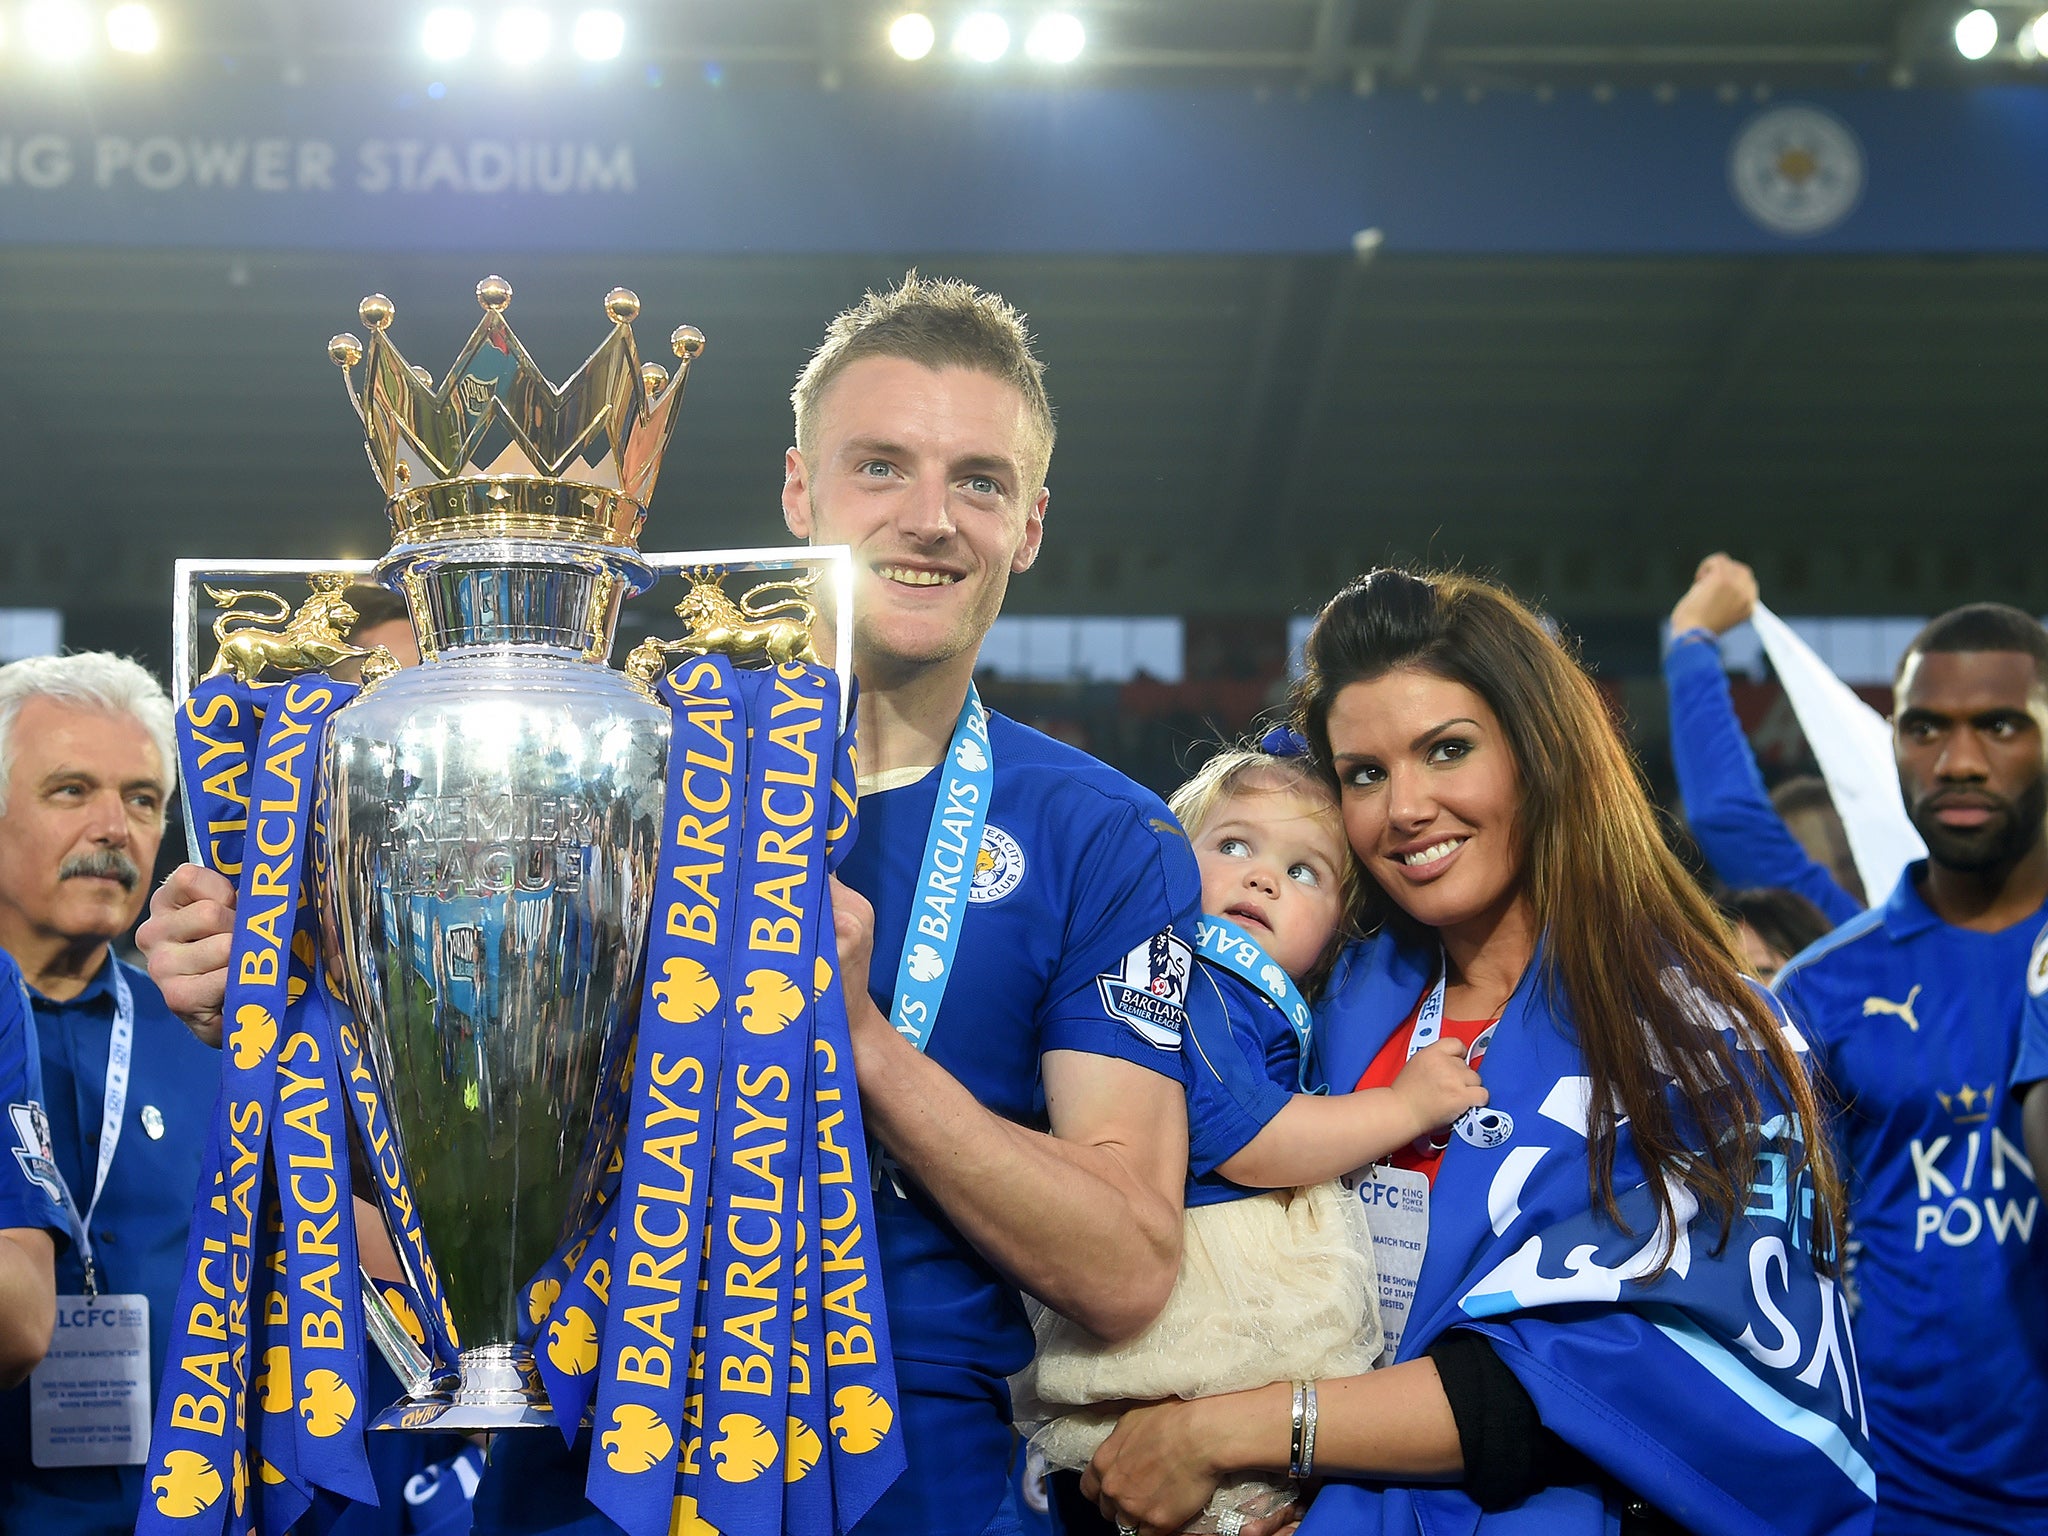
[1431, 797]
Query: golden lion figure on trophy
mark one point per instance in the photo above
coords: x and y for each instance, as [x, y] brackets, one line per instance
[746, 628]
[310, 640]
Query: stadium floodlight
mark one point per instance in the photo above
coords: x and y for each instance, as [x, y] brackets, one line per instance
[1976, 33]
[522, 34]
[982, 36]
[912, 35]
[132, 28]
[599, 35]
[2037, 33]
[56, 30]
[447, 32]
[1057, 37]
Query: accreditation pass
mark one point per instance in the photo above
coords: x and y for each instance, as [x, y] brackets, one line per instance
[88, 1402]
[1396, 1202]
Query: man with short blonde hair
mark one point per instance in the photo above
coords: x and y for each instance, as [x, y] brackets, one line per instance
[937, 323]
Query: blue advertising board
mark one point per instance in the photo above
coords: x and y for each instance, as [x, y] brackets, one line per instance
[704, 170]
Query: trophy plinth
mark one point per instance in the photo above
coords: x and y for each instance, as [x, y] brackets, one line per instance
[497, 1388]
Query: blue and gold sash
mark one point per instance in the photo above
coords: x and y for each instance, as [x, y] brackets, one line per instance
[197, 1478]
[715, 1307]
[659, 1249]
[732, 1306]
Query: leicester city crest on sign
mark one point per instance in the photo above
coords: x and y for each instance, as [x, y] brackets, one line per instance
[1149, 991]
[998, 868]
[1796, 170]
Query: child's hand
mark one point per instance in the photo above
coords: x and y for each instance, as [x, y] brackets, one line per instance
[1436, 1086]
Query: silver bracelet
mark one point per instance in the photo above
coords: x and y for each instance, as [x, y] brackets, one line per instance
[1307, 1467]
[1301, 1443]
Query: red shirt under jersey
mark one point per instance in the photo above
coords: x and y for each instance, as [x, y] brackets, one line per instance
[1426, 1154]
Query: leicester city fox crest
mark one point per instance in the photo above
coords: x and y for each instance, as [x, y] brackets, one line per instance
[1149, 991]
[998, 867]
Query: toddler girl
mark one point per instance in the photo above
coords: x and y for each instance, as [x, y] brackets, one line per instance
[1276, 1277]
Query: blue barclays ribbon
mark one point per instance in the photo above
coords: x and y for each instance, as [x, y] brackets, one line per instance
[278, 1494]
[425, 1304]
[567, 1354]
[1223, 943]
[217, 734]
[792, 718]
[686, 999]
[808, 1498]
[867, 1452]
[197, 1470]
[844, 823]
[966, 780]
[539, 1296]
[309, 1145]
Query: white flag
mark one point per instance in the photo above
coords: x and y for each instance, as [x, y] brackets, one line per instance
[1853, 744]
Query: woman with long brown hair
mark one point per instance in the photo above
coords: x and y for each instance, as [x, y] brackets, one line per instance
[1609, 1287]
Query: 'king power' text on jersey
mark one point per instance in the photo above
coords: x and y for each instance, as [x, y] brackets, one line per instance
[1917, 1025]
[1079, 910]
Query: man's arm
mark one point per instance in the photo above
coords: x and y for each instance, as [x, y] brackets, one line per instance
[28, 1301]
[1085, 1217]
[1726, 804]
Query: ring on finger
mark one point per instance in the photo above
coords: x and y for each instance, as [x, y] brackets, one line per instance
[1125, 1528]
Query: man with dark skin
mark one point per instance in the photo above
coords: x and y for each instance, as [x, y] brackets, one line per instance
[1914, 1009]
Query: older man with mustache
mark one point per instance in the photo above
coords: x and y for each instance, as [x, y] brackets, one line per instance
[87, 764]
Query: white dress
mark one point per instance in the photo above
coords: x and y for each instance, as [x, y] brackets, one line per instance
[1273, 1287]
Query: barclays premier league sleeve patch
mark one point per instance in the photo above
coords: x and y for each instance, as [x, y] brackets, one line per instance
[2037, 966]
[32, 1149]
[1149, 991]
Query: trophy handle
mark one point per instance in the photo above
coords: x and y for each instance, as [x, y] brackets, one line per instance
[194, 575]
[190, 579]
[832, 571]
[409, 1363]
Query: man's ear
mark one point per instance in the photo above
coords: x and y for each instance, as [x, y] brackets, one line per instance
[796, 495]
[1034, 533]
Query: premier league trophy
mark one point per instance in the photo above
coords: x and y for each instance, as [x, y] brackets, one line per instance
[550, 945]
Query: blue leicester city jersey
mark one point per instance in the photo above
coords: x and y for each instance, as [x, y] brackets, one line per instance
[28, 1178]
[139, 1229]
[1916, 1024]
[1243, 1064]
[2032, 1066]
[1068, 943]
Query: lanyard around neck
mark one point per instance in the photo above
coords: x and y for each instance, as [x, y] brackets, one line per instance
[1221, 942]
[114, 1108]
[1429, 1018]
[938, 904]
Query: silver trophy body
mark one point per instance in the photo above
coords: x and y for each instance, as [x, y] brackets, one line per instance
[495, 815]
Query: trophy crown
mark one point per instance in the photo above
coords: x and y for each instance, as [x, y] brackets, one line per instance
[495, 449]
